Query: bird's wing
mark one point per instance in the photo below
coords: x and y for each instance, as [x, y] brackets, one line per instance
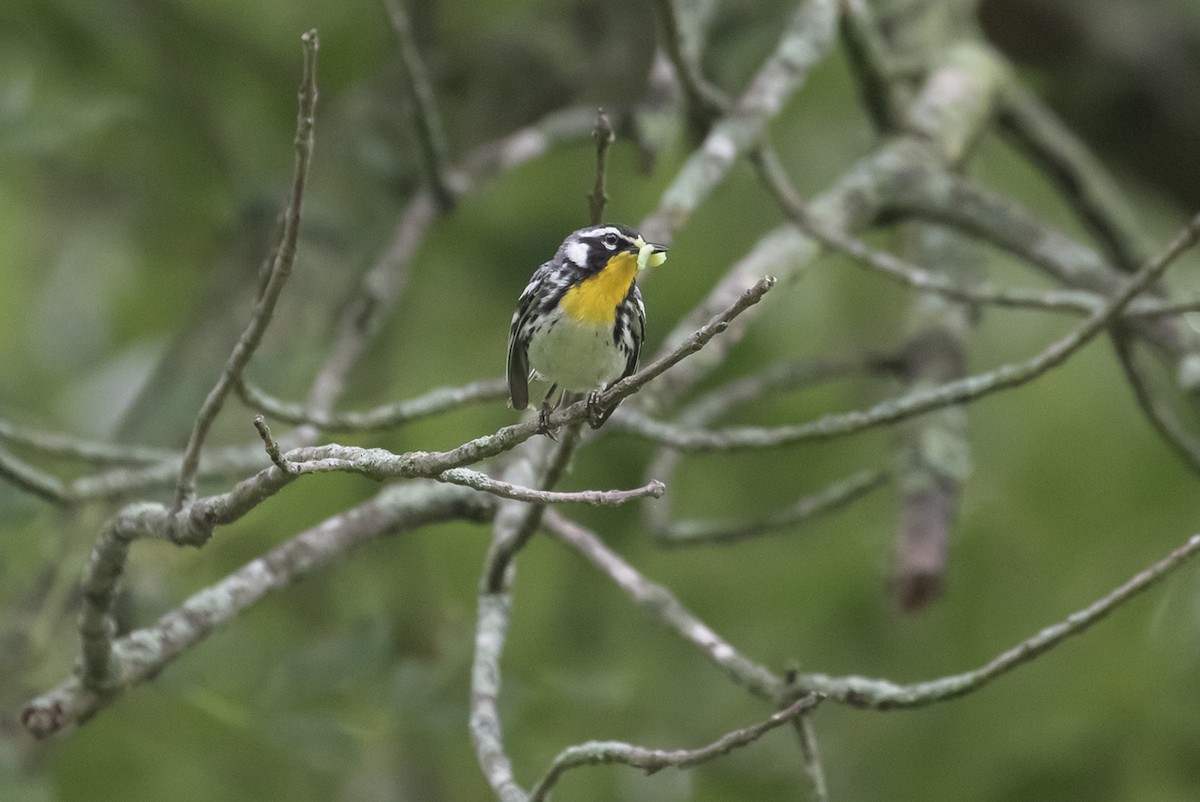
[518, 342]
[637, 325]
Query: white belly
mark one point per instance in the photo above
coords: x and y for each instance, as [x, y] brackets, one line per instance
[576, 356]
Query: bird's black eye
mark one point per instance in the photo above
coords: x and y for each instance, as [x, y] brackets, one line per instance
[610, 241]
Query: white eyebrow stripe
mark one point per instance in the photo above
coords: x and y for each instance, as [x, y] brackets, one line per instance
[601, 232]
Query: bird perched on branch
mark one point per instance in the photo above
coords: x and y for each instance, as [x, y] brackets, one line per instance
[580, 321]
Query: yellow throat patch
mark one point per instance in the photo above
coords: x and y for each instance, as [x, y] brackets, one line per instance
[595, 300]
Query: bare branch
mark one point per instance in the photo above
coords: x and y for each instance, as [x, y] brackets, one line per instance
[663, 605]
[959, 391]
[721, 401]
[806, 39]
[33, 480]
[879, 88]
[775, 179]
[426, 120]
[834, 496]
[117, 483]
[596, 498]
[857, 199]
[811, 758]
[487, 733]
[598, 198]
[433, 402]
[680, 31]
[142, 654]
[260, 423]
[1162, 418]
[281, 268]
[52, 444]
[596, 753]
[1080, 177]
[1002, 221]
[879, 694]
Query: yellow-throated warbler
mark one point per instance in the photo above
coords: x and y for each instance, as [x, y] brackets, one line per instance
[580, 321]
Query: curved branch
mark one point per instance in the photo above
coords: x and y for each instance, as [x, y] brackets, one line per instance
[663, 605]
[281, 269]
[595, 753]
[142, 654]
[959, 391]
[880, 694]
[433, 402]
[596, 498]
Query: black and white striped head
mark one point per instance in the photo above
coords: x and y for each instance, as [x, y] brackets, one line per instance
[591, 249]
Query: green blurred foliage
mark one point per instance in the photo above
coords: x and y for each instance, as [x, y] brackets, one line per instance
[145, 146]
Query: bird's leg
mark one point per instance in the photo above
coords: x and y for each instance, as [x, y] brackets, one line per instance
[597, 415]
[544, 413]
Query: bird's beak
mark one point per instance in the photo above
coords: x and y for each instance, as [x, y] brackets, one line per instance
[650, 254]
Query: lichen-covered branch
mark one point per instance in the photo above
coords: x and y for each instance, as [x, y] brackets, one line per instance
[597, 498]
[142, 654]
[880, 694]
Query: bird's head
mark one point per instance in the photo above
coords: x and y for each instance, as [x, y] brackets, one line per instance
[594, 248]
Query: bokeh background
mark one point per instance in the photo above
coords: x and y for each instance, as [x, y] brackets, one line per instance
[145, 148]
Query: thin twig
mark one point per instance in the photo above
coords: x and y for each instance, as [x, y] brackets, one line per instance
[868, 54]
[596, 498]
[810, 756]
[1162, 418]
[703, 102]
[970, 388]
[264, 432]
[956, 201]
[720, 402]
[880, 694]
[52, 444]
[433, 402]
[426, 120]
[598, 197]
[281, 268]
[1078, 174]
[834, 496]
[594, 753]
[775, 179]
[664, 606]
[33, 480]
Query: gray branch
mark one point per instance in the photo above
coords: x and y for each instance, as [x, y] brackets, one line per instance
[281, 268]
[142, 654]
[880, 694]
[597, 753]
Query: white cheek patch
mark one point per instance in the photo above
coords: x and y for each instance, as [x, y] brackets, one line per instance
[577, 252]
[648, 258]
